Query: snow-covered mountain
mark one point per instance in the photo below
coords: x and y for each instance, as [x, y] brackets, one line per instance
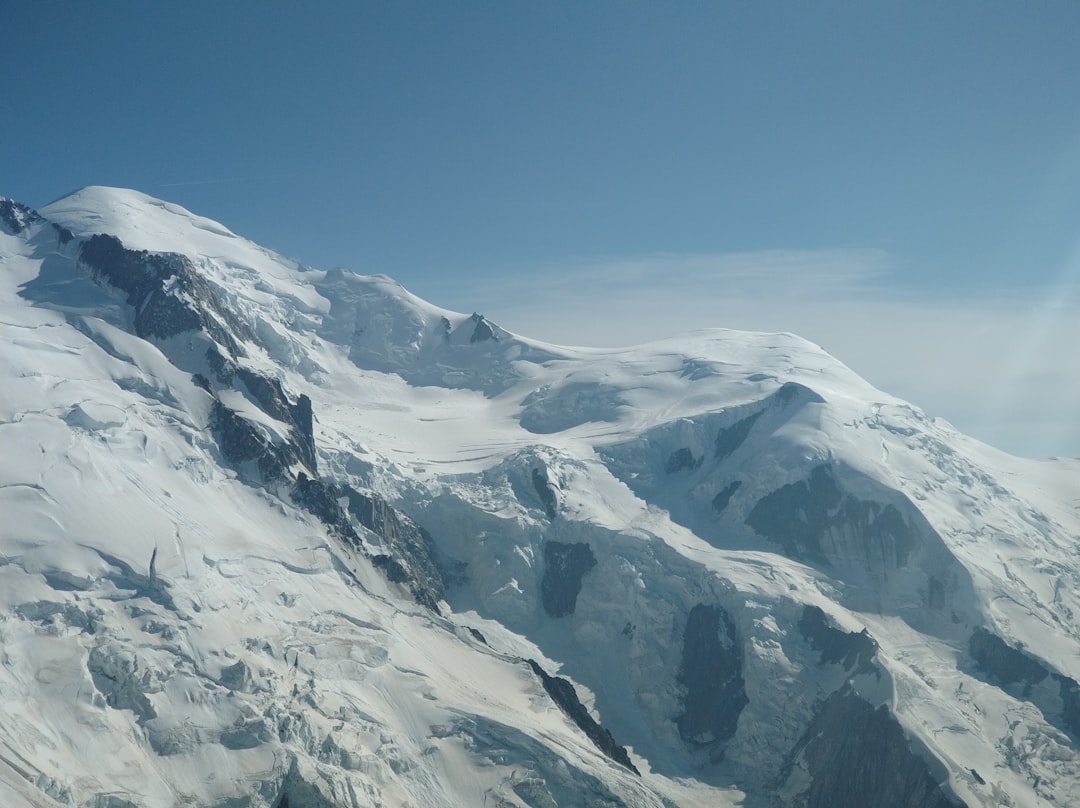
[275, 536]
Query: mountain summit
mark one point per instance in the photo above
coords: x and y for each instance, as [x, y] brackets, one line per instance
[277, 536]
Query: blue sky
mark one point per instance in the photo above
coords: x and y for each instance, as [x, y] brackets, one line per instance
[897, 182]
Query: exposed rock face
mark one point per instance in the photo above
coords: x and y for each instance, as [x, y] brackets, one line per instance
[321, 499]
[273, 400]
[809, 517]
[854, 650]
[1070, 699]
[564, 567]
[1005, 664]
[410, 544]
[242, 442]
[682, 459]
[169, 297]
[483, 331]
[730, 439]
[548, 781]
[857, 755]
[564, 694]
[246, 446]
[723, 497]
[711, 672]
[545, 491]
[314, 691]
[270, 396]
[16, 217]
[1012, 669]
[410, 556]
[165, 291]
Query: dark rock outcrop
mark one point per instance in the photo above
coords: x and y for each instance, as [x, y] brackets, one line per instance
[723, 497]
[272, 399]
[857, 755]
[542, 486]
[1016, 671]
[711, 672]
[246, 446]
[242, 442]
[411, 546]
[483, 331]
[730, 439]
[245, 439]
[321, 499]
[16, 217]
[165, 292]
[564, 694]
[796, 515]
[564, 567]
[682, 459]
[1069, 691]
[1007, 665]
[853, 650]
[410, 557]
[801, 516]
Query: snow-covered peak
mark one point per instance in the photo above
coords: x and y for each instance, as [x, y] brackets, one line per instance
[140, 221]
[308, 533]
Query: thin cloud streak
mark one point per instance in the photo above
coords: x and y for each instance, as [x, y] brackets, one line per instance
[800, 271]
[192, 183]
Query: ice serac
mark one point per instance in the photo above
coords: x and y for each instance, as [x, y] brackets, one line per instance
[277, 536]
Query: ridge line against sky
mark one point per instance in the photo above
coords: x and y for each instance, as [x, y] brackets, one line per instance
[608, 171]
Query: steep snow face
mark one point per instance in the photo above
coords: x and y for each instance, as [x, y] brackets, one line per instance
[286, 536]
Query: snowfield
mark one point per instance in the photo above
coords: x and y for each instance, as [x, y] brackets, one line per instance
[277, 536]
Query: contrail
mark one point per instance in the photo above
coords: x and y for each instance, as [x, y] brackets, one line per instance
[203, 182]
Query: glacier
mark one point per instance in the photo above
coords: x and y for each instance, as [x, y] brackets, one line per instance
[276, 536]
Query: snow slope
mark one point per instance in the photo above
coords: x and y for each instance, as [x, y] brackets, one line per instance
[740, 553]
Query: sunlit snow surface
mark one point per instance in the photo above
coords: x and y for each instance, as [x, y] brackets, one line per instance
[255, 646]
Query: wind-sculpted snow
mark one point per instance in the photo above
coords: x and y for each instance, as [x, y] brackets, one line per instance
[277, 536]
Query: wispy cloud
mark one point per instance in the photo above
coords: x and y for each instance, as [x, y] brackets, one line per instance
[1000, 365]
[792, 271]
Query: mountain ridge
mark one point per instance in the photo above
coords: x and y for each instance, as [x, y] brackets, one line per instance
[429, 456]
